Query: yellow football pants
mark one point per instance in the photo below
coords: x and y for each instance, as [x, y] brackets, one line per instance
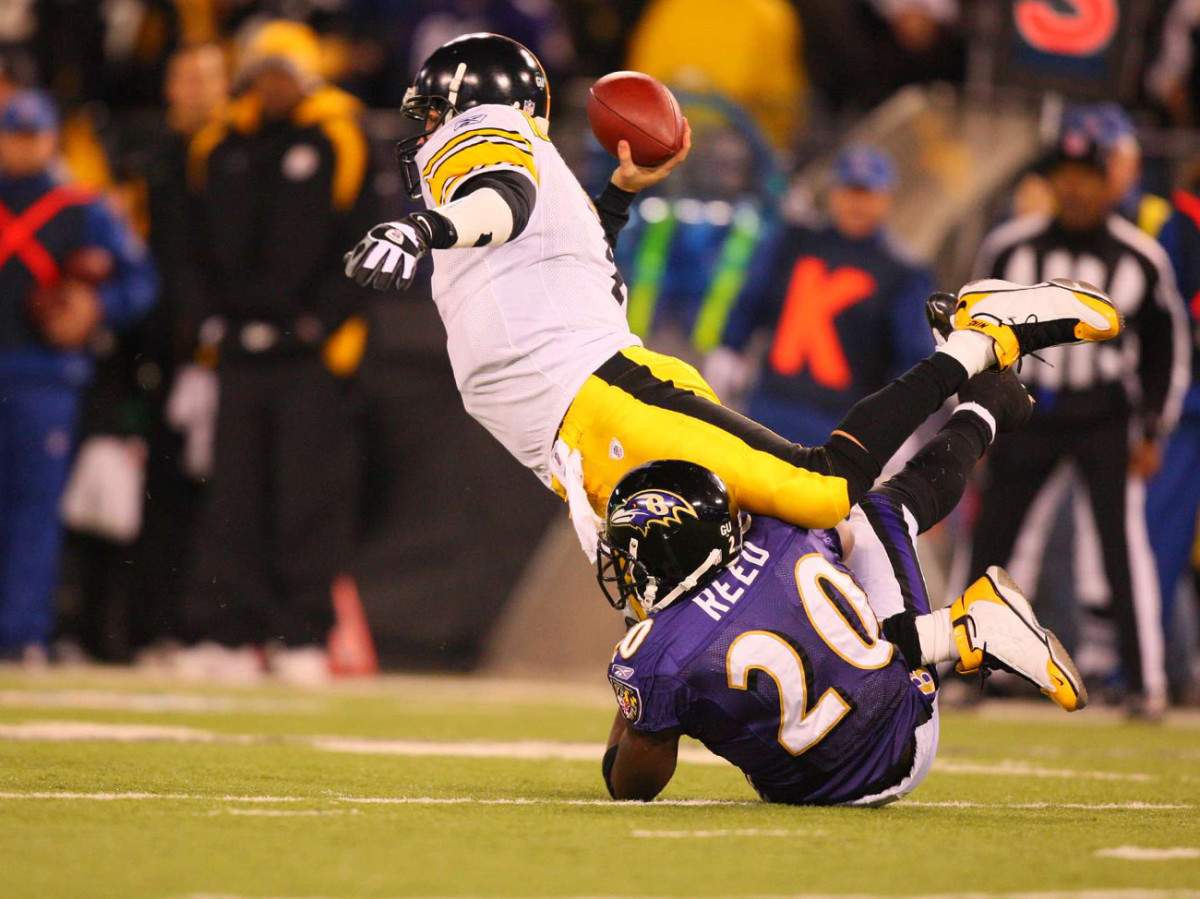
[641, 406]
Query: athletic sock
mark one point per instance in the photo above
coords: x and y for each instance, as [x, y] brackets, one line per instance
[975, 352]
[936, 634]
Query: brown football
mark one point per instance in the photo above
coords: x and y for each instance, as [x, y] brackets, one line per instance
[92, 265]
[637, 108]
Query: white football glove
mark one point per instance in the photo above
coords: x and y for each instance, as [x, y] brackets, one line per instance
[387, 257]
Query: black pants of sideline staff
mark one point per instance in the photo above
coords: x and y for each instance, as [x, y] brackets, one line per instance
[1020, 466]
[277, 522]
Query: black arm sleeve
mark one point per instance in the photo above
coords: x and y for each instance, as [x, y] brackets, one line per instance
[878, 425]
[612, 205]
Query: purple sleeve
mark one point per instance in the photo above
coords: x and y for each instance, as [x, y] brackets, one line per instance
[649, 703]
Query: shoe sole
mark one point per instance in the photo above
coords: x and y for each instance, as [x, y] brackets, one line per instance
[1095, 300]
[1062, 668]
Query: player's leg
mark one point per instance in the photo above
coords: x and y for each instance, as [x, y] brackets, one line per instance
[641, 406]
[992, 625]
[633, 409]
[884, 526]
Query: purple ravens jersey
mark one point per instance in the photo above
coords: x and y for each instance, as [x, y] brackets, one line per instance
[779, 666]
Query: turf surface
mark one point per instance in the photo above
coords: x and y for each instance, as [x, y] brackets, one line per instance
[112, 786]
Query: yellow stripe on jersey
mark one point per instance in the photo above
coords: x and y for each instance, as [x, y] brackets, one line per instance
[477, 156]
[431, 171]
[503, 134]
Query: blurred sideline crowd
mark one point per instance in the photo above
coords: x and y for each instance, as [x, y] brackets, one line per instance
[186, 447]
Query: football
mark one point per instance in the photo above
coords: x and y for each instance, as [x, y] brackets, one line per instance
[637, 108]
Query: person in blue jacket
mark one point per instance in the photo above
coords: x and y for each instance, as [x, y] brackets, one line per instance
[1173, 497]
[844, 309]
[50, 306]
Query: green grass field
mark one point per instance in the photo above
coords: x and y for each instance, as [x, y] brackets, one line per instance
[114, 786]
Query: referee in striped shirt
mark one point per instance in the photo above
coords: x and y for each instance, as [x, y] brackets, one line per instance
[1103, 409]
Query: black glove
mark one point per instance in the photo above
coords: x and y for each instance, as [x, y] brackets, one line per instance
[387, 257]
[1003, 395]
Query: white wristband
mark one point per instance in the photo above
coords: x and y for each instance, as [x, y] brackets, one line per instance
[983, 413]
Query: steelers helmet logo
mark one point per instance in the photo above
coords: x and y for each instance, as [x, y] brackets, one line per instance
[651, 507]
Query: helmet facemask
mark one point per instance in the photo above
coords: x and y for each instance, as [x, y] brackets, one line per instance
[670, 528]
[644, 595]
[626, 575]
[434, 112]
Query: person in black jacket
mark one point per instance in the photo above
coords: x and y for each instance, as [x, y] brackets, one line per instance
[280, 189]
[1102, 410]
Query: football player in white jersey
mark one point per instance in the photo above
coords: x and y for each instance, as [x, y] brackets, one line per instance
[534, 310]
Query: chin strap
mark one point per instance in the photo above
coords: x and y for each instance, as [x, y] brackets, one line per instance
[687, 585]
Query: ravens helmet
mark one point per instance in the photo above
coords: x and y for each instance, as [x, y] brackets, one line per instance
[671, 527]
[471, 70]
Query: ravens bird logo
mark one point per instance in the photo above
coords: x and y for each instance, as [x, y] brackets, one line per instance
[629, 698]
[650, 507]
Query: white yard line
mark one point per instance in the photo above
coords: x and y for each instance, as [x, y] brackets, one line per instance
[1014, 768]
[532, 750]
[520, 801]
[113, 797]
[1058, 894]
[282, 813]
[1089, 806]
[115, 700]
[1149, 853]
[90, 731]
[525, 750]
[742, 832]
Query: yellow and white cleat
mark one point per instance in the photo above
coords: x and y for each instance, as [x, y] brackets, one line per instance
[995, 628]
[1024, 319]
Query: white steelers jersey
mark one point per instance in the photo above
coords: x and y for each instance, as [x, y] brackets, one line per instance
[529, 320]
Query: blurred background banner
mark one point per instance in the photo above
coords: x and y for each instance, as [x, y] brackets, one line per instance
[1089, 49]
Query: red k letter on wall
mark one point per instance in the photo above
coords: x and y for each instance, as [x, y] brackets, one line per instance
[806, 335]
[1067, 27]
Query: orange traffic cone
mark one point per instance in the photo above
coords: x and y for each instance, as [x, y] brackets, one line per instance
[351, 649]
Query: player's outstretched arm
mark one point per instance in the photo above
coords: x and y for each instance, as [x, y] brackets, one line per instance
[490, 208]
[638, 765]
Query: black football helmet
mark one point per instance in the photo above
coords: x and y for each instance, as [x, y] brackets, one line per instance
[671, 528]
[470, 71]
